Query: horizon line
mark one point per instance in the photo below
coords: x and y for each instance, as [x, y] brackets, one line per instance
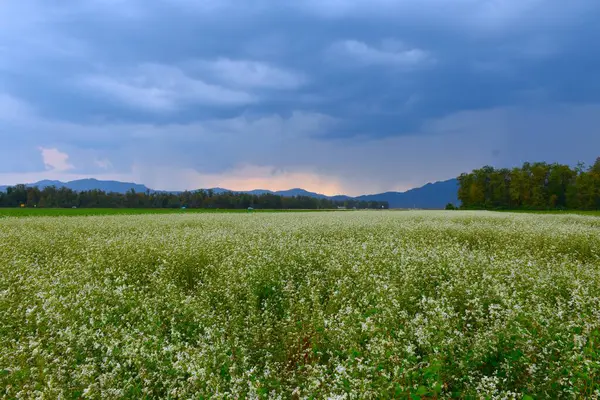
[221, 188]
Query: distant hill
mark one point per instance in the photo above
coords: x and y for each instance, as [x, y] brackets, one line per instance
[283, 193]
[433, 195]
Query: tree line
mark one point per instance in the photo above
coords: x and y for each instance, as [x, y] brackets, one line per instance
[534, 186]
[52, 197]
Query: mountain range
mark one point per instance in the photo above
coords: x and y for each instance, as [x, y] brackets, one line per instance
[432, 195]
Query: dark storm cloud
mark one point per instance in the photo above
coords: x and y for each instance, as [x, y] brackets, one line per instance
[199, 82]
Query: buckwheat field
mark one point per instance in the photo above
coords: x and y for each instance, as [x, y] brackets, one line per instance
[300, 305]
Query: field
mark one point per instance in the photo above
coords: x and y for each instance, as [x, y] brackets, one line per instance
[300, 305]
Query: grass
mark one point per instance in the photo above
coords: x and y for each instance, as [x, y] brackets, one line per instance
[559, 212]
[300, 305]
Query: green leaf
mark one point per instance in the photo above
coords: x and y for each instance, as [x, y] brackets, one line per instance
[422, 390]
[398, 391]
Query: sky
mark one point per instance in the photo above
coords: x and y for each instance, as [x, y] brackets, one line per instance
[334, 96]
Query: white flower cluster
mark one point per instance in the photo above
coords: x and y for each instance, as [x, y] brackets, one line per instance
[300, 305]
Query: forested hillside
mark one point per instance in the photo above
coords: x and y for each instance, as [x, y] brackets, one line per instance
[533, 186]
[52, 197]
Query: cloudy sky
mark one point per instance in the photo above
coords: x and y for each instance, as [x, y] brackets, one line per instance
[335, 96]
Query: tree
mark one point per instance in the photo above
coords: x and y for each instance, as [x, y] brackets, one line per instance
[533, 186]
[64, 197]
[464, 190]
